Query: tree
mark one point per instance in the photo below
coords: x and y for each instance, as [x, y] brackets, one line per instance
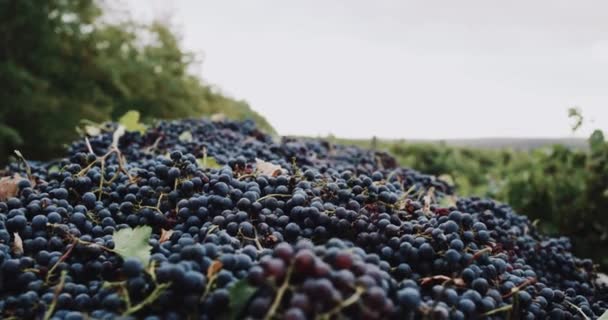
[60, 63]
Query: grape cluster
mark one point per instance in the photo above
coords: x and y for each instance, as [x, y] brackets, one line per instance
[341, 232]
[240, 143]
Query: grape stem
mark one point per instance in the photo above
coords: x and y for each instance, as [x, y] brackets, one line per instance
[212, 273]
[255, 240]
[245, 176]
[345, 304]
[88, 143]
[280, 292]
[49, 312]
[149, 299]
[519, 287]
[579, 310]
[446, 280]
[101, 178]
[508, 307]
[121, 164]
[158, 203]
[273, 195]
[122, 286]
[208, 287]
[479, 253]
[61, 259]
[154, 146]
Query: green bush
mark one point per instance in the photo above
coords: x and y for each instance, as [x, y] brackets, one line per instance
[61, 62]
[564, 189]
[567, 191]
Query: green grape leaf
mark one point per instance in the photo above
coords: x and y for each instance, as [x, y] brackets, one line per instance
[133, 243]
[130, 121]
[240, 293]
[186, 136]
[54, 168]
[208, 163]
[447, 201]
[92, 130]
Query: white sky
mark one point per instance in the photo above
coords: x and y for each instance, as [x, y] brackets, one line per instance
[403, 69]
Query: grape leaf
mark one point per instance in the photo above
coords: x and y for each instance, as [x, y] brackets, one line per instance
[447, 201]
[214, 268]
[240, 293]
[186, 136]
[92, 130]
[133, 243]
[165, 235]
[268, 169]
[54, 168]
[208, 162]
[130, 121]
[9, 187]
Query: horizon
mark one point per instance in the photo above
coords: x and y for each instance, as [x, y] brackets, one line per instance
[440, 139]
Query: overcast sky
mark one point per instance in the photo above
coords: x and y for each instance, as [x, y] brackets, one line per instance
[403, 69]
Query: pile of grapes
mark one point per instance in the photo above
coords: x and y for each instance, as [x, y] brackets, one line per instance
[196, 219]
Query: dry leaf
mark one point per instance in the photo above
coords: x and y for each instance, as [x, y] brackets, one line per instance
[165, 235]
[272, 238]
[214, 268]
[120, 131]
[427, 204]
[267, 168]
[17, 244]
[8, 187]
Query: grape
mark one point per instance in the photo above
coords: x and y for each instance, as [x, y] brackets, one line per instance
[194, 282]
[466, 306]
[295, 314]
[331, 235]
[132, 267]
[409, 298]
[480, 284]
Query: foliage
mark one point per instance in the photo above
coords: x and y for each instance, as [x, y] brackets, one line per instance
[130, 121]
[576, 115]
[240, 293]
[61, 62]
[133, 243]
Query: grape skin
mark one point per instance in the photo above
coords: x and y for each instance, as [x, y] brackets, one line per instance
[334, 227]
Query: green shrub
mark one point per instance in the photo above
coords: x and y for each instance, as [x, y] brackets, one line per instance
[61, 62]
[564, 189]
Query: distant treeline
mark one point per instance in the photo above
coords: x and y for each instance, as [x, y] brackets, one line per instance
[524, 144]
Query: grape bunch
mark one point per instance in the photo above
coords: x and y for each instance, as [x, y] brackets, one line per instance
[140, 226]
